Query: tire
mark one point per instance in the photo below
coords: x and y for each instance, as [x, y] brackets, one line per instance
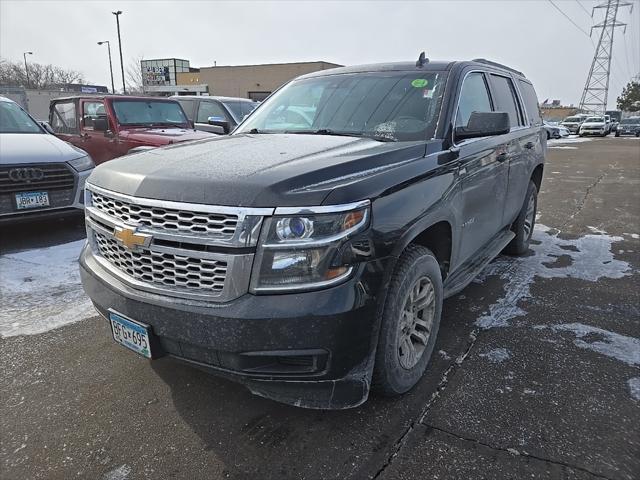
[617, 135]
[417, 274]
[548, 136]
[523, 226]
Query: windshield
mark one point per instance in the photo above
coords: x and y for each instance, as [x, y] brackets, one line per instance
[594, 119]
[149, 113]
[389, 106]
[572, 119]
[630, 121]
[15, 120]
[240, 109]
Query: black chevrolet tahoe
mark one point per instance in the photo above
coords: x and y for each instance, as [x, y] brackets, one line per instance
[308, 254]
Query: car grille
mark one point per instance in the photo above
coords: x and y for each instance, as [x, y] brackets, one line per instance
[162, 268]
[54, 176]
[165, 219]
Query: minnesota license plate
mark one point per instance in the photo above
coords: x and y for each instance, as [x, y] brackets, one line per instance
[32, 200]
[132, 335]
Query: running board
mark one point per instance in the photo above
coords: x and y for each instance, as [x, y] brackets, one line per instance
[464, 275]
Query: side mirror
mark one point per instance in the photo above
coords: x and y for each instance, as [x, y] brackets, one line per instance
[484, 124]
[219, 122]
[47, 127]
[100, 124]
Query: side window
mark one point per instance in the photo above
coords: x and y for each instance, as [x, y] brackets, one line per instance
[530, 100]
[64, 118]
[505, 98]
[474, 97]
[91, 111]
[209, 109]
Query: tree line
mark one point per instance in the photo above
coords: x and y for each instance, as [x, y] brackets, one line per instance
[41, 76]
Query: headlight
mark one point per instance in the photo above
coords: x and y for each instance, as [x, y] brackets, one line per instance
[299, 249]
[81, 164]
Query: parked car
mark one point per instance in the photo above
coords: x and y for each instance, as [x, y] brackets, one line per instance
[555, 131]
[310, 262]
[609, 126]
[218, 115]
[40, 175]
[629, 126]
[113, 125]
[594, 126]
[572, 123]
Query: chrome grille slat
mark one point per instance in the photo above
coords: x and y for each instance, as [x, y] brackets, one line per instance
[165, 269]
[165, 219]
[56, 176]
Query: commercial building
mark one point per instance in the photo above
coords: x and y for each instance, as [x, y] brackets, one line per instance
[172, 76]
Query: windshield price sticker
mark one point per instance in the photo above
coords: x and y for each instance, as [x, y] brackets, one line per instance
[419, 83]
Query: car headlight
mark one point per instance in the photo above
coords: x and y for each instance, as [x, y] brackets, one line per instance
[81, 164]
[299, 249]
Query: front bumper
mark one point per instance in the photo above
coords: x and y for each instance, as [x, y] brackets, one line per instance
[312, 349]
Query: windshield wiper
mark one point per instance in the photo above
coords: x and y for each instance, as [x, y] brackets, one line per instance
[328, 131]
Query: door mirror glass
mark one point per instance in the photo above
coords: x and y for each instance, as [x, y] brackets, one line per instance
[47, 127]
[484, 124]
[219, 122]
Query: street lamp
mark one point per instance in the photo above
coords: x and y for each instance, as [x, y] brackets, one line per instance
[117, 14]
[26, 70]
[113, 90]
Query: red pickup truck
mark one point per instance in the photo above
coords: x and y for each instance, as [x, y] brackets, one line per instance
[113, 125]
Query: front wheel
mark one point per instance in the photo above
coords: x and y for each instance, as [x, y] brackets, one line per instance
[410, 322]
[523, 226]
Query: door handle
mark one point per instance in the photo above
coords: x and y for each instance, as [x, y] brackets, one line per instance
[529, 145]
[501, 157]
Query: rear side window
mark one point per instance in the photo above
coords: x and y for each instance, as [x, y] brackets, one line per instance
[505, 99]
[530, 100]
[64, 118]
[474, 97]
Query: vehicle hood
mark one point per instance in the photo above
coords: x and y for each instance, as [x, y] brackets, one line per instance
[163, 136]
[593, 124]
[254, 170]
[35, 148]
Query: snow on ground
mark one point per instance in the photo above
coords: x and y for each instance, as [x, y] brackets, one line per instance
[570, 139]
[563, 147]
[41, 290]
[587, 258]
[497, 355]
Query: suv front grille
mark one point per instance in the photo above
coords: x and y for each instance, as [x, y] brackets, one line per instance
[50, 176]
[179, 221]
[164, 269]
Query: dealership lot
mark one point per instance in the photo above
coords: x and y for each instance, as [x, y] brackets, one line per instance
[536, 370]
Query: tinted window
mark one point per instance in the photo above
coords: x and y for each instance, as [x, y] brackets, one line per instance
[474, 97]
[505, 100]
[187, 106]
[209, 109]
[530, 100]
[14, 120]
[64, 118]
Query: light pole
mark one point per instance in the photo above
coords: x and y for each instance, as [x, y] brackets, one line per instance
[117, 14]
[26, 70]
[113, 90]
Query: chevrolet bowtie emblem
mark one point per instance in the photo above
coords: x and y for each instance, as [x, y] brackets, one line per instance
[130, 239]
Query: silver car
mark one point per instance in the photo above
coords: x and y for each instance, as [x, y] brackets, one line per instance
[40, 175]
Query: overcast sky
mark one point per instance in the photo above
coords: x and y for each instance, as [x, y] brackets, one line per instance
[531, 36]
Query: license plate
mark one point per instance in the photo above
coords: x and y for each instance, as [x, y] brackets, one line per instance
[133, 335]
[32, 200]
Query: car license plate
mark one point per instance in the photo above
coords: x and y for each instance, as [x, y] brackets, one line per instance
[132, 335]
[32, 200]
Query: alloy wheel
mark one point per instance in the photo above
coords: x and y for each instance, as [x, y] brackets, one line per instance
[416, 322]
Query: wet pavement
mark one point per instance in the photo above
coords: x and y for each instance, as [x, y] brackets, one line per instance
[536, 373]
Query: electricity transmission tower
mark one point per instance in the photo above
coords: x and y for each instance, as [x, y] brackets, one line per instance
[594, 96]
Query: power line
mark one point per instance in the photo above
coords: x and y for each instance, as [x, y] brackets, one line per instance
[569, 18]
[582, 7]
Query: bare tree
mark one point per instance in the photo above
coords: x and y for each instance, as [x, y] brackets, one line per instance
[133, 76]
[40, 76]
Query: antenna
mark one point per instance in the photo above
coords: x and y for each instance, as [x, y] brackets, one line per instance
[422, 60]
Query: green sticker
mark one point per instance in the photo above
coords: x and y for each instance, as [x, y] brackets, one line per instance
[419, 83]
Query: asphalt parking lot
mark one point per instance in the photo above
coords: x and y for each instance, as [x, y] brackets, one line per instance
[536, 373]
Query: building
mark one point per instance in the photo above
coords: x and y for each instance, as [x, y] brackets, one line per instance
[172, 76]
[554, 111]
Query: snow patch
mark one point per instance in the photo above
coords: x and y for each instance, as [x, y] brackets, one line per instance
[559, 141]
[623, 348]
[632, 235]
[120, 473]
[41, 290]
[587, 258]
[497, 355]
[563, 147]
[634, 387]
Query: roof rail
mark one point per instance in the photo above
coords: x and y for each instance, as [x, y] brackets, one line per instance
[496, 64]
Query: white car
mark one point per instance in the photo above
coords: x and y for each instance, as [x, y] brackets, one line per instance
[40, 175]
[594, 126]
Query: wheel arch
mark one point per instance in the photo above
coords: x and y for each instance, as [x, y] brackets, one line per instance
[536, 176]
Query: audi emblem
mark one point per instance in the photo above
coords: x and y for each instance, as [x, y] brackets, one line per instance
[26, 174]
